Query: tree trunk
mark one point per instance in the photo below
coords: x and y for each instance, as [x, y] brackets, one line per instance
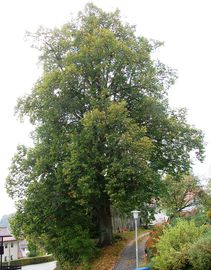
[105, 223]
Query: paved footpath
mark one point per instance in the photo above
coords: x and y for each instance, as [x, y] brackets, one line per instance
[40, 266]
[127, 260]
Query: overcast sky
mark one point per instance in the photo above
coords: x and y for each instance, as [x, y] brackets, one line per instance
[183, 25]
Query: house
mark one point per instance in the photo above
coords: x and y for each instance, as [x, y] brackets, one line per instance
[23, 249]
[12, 247]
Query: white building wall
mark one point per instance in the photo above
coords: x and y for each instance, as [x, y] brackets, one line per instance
[10, 251]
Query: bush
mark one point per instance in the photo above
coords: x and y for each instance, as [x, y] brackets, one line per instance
[199, 219]
[174, 245]
[34, 249]
[32, 260]
[200, 253]
[72, 246]
[153, 238]
[209, 215]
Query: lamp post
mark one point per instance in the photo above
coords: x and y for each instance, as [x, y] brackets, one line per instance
[135, 216]
[1, 250]
[2, 247]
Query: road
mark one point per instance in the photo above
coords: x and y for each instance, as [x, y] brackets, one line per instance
[40, 266]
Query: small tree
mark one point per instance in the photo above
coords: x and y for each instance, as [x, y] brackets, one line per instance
[179, 194]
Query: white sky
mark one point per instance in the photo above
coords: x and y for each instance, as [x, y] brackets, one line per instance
[184, 26]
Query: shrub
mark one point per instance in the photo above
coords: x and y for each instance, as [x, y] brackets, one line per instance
[34, 249]
[209, 214]
[31, 260]
[199, 219]
[174, 244]
[72, 247]
[153, 238]
[200, 253]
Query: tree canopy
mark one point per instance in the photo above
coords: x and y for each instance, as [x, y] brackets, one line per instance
[104, 133]
[181, 194]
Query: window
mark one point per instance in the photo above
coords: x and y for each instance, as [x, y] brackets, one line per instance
[11, 257]
[5, 258]
[5, 245]
[11, 245]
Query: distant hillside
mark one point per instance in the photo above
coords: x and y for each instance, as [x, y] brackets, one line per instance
[4, 222]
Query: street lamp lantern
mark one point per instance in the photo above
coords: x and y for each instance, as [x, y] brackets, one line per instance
[135, 216]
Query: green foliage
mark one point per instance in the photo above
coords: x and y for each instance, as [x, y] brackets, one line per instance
[199, 253]
[209, 215]
[34, 249]
[174, 245]
[111, 146]
[206, 198]
[154, 236]
[59, 225]
[32, 260]
[199, 219]
[72, 247]
[104, 134]
[180, 194]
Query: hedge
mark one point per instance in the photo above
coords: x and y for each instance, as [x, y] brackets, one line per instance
[31, 260]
